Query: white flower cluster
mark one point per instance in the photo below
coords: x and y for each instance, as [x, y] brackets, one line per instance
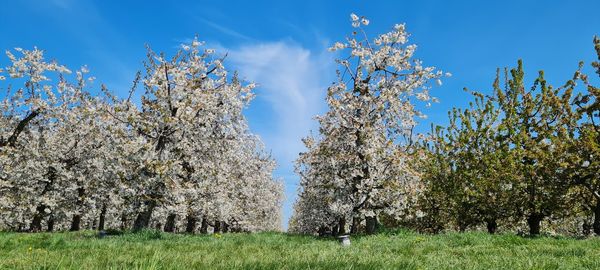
[184, 160]
[357, 21]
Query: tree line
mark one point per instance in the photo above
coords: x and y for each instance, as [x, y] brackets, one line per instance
[522, 153]
[520, 157]
[180, 159]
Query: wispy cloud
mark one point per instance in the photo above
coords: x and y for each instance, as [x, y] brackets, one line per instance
[291, 81]
[225, 30]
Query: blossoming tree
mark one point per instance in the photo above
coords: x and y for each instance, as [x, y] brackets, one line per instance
[71, 160]
[357, 167]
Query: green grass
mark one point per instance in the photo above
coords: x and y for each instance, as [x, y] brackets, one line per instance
[393, 250]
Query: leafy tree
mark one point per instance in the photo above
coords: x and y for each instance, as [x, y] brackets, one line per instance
[537, 124]
[586, 165]
[470, 174]
[504, 156]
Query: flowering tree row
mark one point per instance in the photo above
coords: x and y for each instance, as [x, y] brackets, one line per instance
[181, 159]
[520, 158]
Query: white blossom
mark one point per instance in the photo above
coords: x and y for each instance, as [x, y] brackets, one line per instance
[357, 167]
[185, 154]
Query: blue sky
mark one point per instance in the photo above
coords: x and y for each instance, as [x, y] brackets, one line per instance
[281, 45]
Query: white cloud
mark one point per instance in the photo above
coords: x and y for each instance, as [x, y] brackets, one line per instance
[293, 80]
[225, 30]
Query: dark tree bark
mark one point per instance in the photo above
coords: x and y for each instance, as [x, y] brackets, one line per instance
[534, 221]
[492, 226]
[342, 226]
[322, 231]
[75, 223]
[123, 221]
[596, 225]
[10, 141]
[191, 224]
[586, 228]
[463, 219]
[102, 218]
[36, 222]
[170, 224]
[204, 226]
[142, 220]
[372, 225]
[217, 227]
[51, 223]
[355, 225]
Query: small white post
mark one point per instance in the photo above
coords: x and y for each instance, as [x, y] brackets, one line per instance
[344, 240]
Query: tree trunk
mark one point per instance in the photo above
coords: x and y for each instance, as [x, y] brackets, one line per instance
[534, 221]
[586, 228]
[225, 227]
[596, 225]
[204, 226]
[462, 222]
[372, 225]
[36, 223]
[170, 224]
[342, 226]
[75, 223]
[355, 225]
[322, 231]
[142, 221]
[51, 223]
[123, 221]
[492, 226]
[217, 228]
[191, 224]
[102, 218]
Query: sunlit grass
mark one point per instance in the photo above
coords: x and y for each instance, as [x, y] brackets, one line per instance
[393, 250]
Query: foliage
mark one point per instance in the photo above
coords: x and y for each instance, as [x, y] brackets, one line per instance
[517, 154]
[585, 165]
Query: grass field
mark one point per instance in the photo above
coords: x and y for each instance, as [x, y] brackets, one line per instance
[397, 250]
